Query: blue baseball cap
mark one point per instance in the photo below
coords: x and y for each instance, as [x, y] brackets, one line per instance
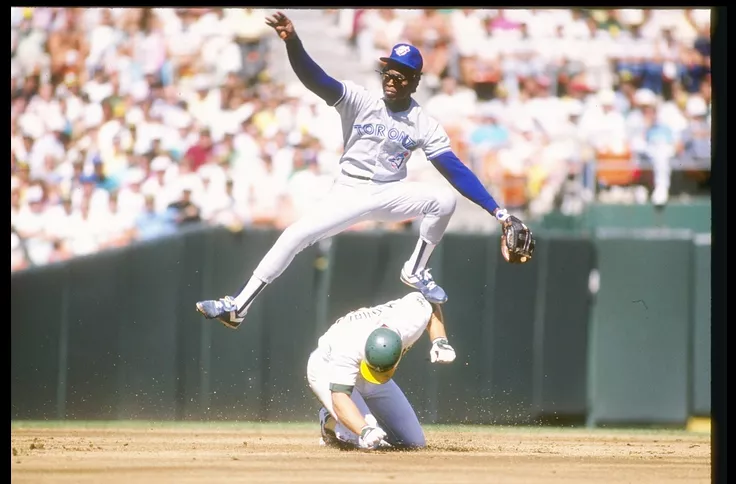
[406, 55]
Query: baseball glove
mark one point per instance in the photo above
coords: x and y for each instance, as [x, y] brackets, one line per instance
[517, 241]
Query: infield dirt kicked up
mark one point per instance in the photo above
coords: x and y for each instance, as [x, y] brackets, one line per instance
[112, 453]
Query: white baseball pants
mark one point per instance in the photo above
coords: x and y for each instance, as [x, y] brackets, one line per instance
[387, 403]
[351, 201]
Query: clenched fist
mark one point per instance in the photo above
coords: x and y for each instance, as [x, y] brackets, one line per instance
[282, 25]
[371, 437]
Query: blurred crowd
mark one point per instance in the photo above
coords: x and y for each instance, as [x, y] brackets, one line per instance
[128, 124]
[131, 123]
[552, 105]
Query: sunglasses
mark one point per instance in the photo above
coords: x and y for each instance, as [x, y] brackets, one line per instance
[397, 77]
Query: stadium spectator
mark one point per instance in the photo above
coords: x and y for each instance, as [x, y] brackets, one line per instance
[114, 111]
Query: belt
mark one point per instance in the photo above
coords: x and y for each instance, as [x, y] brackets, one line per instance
[358, 177]
[365, 178]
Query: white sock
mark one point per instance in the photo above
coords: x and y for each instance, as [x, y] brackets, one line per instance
[419, 259]
[248, 294]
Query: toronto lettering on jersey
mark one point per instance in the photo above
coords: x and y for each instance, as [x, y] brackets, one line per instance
[393, 134]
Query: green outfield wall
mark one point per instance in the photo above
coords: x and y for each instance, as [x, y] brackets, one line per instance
[602, 327]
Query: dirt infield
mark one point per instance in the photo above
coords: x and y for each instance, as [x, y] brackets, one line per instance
[281, 454]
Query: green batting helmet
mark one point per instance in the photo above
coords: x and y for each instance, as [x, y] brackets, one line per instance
[383, 350]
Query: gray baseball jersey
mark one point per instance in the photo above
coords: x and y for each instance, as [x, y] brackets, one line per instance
[344, 341]
[377, 142]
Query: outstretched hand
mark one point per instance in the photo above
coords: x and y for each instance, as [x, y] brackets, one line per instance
[282, 25]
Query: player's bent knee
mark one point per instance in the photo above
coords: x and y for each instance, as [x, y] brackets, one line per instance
[418, 442]
[296, 237]
[413, 439]
[446, 201]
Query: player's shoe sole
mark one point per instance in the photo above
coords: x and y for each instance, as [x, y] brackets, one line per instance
[223, 318]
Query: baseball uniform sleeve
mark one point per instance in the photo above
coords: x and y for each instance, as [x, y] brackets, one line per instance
[353, 98]
[344, 371]
[436, 141]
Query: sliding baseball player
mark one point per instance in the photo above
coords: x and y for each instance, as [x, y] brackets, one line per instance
[381, 131]
[351, 373]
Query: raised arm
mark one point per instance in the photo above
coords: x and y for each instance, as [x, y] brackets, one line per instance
[306, 69]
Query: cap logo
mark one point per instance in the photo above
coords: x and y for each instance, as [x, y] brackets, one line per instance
[402, 50]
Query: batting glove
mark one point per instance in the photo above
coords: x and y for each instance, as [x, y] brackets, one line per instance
[441, 351]
[371, 437]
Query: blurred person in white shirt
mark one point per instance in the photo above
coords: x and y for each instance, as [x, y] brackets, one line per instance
[44, 102]
[183, 175]
[30, 223]
[248, 25]
[282, 151]
[558, 50]
[247, 146]
[328, 159]
[307, 185]
[156, 183]
[235, 112]
[89, 194]
[325, 125]
[267, 190]
[673, 18]
[228, 210]
[50, 173]
[543, 107]
[603, 126]
[116, 227]
[183, 39]
[696, 137]
[99, 86]
[204, 102]
[380, 30]
[635, 123]
[103, 36]
[575, 24]
[130, 197]
[658, 149]
[453, 105]
[213, 196]
[49, 143]
[671, 115]
[468, 32]
[72, 104]
[30, 53]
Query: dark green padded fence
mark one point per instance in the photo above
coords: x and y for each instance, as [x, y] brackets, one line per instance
[701, 335]
[640, 331]
[117, 335]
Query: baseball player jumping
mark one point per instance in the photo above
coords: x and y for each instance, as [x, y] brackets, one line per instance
[351, 373]
[380, 131]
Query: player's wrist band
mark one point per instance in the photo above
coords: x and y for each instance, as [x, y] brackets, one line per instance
[501, 214]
